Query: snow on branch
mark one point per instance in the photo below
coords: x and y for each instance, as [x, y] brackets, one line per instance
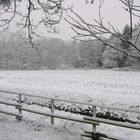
[31, 14]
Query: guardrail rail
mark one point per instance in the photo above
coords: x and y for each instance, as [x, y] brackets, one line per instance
[94, 121]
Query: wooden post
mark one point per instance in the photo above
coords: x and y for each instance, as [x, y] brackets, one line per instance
[94, 115]
[52, 111]
[19, 110]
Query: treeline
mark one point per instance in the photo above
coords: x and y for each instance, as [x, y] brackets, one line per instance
[52, 53]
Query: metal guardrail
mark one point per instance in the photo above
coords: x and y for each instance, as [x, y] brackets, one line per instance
[75, 102]
[18, 115]
[89, 120]
[116, 123]
[20, 107]
[9, 103]
[54, 115]
[11, 113]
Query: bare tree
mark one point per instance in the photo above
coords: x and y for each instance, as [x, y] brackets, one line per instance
[93, 31]
[24, 12]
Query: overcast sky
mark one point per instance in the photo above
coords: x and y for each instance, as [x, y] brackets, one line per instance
[111, 11]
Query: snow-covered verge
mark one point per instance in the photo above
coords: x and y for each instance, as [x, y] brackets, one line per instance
[102, 87]
[35, 127]
[38, 127]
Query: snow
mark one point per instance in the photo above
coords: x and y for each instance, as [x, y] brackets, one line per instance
[115, 88]
[97, 85]
[33, 130]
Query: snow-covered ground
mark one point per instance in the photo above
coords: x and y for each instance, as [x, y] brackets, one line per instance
[37, 127]
[119, 89]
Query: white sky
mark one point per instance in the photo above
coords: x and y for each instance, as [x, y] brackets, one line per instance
[111, 11]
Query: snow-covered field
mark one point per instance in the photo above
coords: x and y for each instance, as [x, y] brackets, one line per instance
[119, 89]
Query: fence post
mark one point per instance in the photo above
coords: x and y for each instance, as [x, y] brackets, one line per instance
[52, 111]
[94, 115]
[19, 110]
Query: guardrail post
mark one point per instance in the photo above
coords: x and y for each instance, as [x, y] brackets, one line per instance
[19, 110]
[94, 115]
[52, 111]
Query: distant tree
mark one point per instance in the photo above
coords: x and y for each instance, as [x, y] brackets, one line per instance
[127, 34]
[23, 12]
[111, 57]
[72, 55]
[94, 30]
[90, 53]
[115, 58]
[52, 53]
